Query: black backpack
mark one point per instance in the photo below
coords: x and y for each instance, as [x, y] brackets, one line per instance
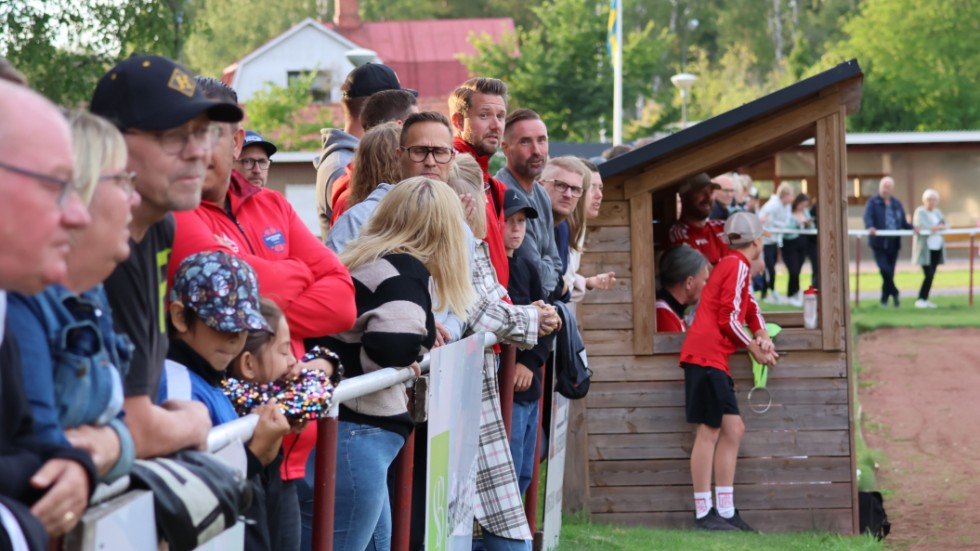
[872, 516]
[572, 373]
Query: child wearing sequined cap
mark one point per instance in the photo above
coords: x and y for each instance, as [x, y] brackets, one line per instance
[214, 305]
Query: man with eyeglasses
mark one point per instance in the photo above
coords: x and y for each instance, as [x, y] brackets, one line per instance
[724, 198]
[525, 145]
[169, 130]
[564, 178]
[256, 158]
[40, 207]
[425, 149]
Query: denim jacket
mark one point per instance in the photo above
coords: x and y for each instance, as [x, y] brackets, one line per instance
[73, 363]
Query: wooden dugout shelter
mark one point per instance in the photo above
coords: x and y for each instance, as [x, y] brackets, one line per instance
[796, 468]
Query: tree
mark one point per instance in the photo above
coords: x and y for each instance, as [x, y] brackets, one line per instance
[230, 29]
[921, 64]
[563, 70]
[287, 117]
[65, 46]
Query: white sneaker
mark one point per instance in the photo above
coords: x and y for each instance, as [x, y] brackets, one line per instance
[770, 299]
[795, 300]
[922, 303]
[932, 304]
[778, 298]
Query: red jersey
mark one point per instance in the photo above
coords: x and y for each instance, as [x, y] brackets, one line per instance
[667, 319]
[726, 305]
[710, 239]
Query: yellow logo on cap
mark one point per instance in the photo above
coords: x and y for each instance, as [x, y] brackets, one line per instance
[182, 82]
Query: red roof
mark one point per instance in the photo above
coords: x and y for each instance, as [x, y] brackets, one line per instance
[425, 53]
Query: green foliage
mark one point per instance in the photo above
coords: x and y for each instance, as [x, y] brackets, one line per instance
[65, 46]
[230, 29]
[285, 115]
[921, 65]
[563, 71]
[730, 82]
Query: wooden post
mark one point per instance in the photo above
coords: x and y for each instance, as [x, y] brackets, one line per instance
[857, 270]
[508, 366]
[832, 240]
[644, 293]
[324, 483]
[401, 511]
[973, 253]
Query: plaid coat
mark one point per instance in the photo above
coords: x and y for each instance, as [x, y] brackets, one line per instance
[499, 507]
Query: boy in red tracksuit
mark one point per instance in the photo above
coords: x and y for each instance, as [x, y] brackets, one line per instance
[718, 331]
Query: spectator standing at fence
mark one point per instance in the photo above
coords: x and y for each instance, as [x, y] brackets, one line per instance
[36, 180]
[693, 225]
[67, 343]
[775, 215]
[255, 158]
[798, 247]
[168, 127]
[717, 333]
[214, 306]
[415, 242]
[525, 145]
[587, 209]
[683, 274]
[478, 110]
[375, 163]
[382, 107]
[339, 145]
[928, 251]
[567, 179]
[885, 212]
[524, 288]
[294, 268]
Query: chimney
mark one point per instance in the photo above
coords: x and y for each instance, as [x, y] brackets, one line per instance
[345, 14]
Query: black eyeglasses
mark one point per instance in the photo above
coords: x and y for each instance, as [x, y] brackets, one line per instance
[172, 142]
[124, 180]
[247, 164]
[62, 187]
[562, 187]
[418, 153]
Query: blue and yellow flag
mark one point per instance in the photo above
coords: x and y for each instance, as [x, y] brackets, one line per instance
[611, 34]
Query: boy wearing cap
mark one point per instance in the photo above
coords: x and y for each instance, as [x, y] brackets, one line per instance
[339, 145]
[524, 287]
[693, 227]
[167, 125]
[255, 159]
[717, 332]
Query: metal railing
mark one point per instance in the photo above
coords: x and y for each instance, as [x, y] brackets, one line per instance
[858, 234]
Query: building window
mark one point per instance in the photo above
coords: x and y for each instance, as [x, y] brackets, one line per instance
[320, 90]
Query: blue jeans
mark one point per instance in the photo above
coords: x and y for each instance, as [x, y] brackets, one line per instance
[362, 513]
[304, 495]
[289, 528]
[524, 440]
[492, 542]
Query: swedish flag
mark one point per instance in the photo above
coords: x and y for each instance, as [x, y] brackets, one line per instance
[611, 34]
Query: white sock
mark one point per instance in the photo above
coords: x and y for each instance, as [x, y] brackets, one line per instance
[702, 503]
[726, 501]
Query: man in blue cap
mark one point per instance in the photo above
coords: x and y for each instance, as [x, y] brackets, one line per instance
[169, 130]
[255, 159]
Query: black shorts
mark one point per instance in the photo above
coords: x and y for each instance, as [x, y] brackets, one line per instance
[709, 393]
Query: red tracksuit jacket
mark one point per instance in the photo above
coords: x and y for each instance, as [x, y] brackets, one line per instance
[726, 305]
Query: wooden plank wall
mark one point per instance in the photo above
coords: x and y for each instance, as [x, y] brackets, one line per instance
[795, 464]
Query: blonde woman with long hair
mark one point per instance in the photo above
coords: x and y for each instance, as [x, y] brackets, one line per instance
[404, 264]
[499, 508]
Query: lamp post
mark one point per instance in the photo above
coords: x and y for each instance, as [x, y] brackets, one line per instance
[684, 82]
[360, 56]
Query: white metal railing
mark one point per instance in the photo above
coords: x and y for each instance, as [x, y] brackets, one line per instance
[882, 233]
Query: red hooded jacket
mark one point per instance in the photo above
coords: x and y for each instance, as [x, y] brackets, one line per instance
[304, 278]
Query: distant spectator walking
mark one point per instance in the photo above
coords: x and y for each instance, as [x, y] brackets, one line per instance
[884, 212]
[774, 215]
[928, 251]
[798, 247]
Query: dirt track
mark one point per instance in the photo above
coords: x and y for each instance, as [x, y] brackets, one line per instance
[920, 395]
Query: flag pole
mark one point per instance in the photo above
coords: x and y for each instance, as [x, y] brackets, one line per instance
[618, 77]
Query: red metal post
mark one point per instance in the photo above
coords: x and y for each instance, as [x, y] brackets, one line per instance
[325, 483]
[857, 271]
[531, 497]
[401, 513]
[505, 376]
[973, 253]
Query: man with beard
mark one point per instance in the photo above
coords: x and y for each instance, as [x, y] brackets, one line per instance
[478, 110]
[526, 147]
[694, 227]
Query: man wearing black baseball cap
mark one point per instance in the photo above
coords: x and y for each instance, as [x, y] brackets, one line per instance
[255, 159]
[168, 127]
[339, 145]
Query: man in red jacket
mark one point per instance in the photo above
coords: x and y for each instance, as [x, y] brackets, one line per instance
[717, 332]
[478, 109]
[294, 268]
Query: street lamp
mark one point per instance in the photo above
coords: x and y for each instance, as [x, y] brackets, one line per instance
[684, 82]
[360, 56]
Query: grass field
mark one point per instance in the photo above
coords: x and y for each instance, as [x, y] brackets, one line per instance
[905, 281]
